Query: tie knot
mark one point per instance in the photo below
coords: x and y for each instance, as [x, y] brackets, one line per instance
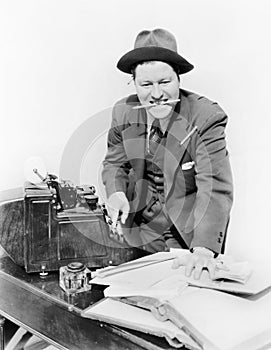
[156, 124]
[156, 128]
[155, 136]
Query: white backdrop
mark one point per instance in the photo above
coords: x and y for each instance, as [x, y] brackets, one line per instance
[57, 67]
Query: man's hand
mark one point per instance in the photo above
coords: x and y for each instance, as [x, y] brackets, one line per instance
[201, 258]
[117, 204]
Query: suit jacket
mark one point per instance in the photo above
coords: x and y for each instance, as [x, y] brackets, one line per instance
[198, 195]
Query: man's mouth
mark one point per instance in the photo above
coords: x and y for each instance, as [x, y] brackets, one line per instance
[160, 110]
[160, 102]
[157, 103]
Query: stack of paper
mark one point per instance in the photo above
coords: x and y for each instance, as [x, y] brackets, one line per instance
[155, 271]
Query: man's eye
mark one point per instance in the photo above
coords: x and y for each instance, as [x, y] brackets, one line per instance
[146, 84]
[165, 82]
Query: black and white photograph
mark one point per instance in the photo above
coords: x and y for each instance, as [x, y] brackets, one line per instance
[135, 162]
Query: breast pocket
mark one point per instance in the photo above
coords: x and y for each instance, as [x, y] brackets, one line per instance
[187, 176]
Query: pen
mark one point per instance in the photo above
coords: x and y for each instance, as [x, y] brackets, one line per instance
[188, 135]
[156, 104]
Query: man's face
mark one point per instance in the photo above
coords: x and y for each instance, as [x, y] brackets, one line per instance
[156, 81]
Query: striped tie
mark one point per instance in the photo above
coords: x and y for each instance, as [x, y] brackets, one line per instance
[155, 136]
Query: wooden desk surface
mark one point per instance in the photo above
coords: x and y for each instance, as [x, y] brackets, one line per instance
[40, 306]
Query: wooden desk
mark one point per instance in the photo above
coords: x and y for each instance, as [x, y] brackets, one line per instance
[41, 307]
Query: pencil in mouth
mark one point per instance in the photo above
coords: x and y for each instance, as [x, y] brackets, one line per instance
[168, 102]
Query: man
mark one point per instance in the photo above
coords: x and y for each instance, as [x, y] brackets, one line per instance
[167, 171]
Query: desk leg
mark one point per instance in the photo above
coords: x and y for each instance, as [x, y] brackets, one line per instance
[2, 321]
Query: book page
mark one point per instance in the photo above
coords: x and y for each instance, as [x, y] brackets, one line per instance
[221, 320]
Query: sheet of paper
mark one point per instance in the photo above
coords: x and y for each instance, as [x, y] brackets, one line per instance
[134, 264]
[144, 277]
[162, 291]
[155, 271]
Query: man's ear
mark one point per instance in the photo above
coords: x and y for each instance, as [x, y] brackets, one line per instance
[132, 79]
[180, 78]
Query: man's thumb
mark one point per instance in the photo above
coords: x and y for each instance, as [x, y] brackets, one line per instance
[125, 212]
[124, 217]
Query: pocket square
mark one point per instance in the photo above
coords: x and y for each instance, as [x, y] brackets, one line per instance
[188, 165]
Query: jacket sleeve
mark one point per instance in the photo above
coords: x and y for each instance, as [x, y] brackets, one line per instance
[116, 167]
[214, 184]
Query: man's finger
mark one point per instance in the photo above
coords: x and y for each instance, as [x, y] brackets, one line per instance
[114, 217]
[125, 212]
[179, 261]
[124, 217]
[189, 267]
[211, 269]
[110, 210]
[175, 263]
[221, 266]
[200, 264]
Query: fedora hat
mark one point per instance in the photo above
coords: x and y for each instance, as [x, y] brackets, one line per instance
[154, 45]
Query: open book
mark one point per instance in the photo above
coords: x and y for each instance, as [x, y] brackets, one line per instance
[148, 295]
[215, 320]
[199, 318]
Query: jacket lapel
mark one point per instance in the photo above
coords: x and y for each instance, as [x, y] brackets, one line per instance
[174, 150]
[134, 141]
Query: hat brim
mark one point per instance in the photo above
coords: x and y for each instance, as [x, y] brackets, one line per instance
[153, 53]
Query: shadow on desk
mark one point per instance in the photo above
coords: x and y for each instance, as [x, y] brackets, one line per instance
[16, 338]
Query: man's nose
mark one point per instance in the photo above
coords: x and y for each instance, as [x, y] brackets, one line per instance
[157, 92]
